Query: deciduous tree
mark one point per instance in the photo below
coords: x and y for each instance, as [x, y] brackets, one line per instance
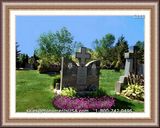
[52, 46]
[105, 49]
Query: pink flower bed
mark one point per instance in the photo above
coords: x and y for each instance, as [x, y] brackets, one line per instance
[74, 103]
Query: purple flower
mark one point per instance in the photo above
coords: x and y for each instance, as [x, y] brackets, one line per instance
[78, 104]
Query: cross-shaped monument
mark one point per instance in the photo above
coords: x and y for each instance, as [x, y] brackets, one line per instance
[82, 69]
[130, 67]
[82, 56]
[83, 76]
[131, 61]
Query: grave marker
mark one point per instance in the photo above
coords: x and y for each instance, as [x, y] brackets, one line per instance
[131, 66]
[81, 76]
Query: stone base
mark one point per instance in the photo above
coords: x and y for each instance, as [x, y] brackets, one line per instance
[122, 81]
[118, 87]
[57, 92]
[84, 93]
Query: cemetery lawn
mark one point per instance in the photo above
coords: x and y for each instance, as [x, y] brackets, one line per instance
[108, 79]
[34, 91]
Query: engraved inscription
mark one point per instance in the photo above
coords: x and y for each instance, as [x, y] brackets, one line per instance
[81, 75]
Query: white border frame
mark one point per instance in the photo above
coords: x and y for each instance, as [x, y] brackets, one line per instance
[12, 91]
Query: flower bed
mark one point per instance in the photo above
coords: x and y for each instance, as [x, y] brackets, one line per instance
[78, 104]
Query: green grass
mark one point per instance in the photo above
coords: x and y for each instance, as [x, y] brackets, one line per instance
[34, 91]
[108, 79]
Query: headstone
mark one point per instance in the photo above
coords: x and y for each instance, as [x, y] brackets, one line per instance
[131, 66]
[68, 73]
[82, 76]
[131, 61]
[140, 69]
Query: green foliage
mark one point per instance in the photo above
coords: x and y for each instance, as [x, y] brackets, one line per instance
[135, 79]
[94, 55]
[17, 55]
[70, 92]
[104, 47]
[52, 46]
[45, 66]
[121, 48]
[107, 41]
[23, 60]
[17, 51]
[34, 60]
[140, 51]
[134, 91]
[108, 53]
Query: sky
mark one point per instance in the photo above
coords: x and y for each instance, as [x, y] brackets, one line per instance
[84, 29]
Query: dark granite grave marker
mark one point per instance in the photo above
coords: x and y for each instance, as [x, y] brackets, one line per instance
[82, 76]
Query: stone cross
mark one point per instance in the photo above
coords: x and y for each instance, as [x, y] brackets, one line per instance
[130, 67]
[131, 61]
[82, 56]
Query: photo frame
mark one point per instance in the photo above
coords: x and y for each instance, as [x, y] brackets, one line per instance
[12, 8]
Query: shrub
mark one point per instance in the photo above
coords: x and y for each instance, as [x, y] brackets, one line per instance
[135, 87]
[69, 92]
[134, 91]
[45, 67]
[78, 104]
[135, 79]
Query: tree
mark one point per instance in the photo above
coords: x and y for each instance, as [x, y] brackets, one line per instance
[77, 46]
[23, 60]
[17, 51]
[35, 60]
[121, 48]
[107, 41]
[105, 49]
[52, 46]
[140, 51]
[17, 55]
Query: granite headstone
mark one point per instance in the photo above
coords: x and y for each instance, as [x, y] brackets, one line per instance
[82, 76]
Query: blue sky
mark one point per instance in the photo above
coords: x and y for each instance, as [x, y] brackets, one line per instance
[84, 29]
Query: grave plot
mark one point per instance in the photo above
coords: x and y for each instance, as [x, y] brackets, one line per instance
[79, 85]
